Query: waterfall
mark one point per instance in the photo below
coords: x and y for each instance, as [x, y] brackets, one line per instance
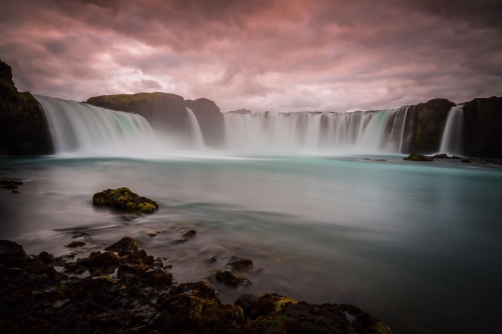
[453, 134]
[83, 129]
[355, 132]
[194, 131]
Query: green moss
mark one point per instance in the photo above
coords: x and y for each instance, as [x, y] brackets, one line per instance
[276, 324]
[381, 328]
[418, 136]
[62, 287]
[40, 276]
[106, 277]
[279, 305]
[146, 207]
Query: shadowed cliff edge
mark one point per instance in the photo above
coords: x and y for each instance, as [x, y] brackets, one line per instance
[23, 129]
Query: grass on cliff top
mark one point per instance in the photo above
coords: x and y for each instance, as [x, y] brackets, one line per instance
[130, 98]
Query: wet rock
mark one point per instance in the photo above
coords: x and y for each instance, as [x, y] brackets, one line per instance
[15, 191]
[9, 184]
[418, 157]
[213, 259]
[228, 277]
[189, 234]
[45, 257]
[98, 259]
[151, 233]
[445, 156]
[466, 161]
[379, 160]
[240, 263]
[75, 244]
[124, 198]
[246, 302]
[123, 246]
[11, 249]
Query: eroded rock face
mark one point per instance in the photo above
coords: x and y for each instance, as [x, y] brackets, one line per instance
[483, 127]
[167, 112]
[23, 128]
[124, 198]
[429, 120]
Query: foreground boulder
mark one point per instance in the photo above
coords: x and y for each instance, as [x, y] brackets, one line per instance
[36, 298]
[418, 157]
[124, 198]
[23, 128]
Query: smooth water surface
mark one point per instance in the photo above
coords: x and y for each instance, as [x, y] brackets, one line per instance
[417, 244]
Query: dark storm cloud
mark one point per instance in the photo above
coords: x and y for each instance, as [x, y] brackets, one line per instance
[262, 55]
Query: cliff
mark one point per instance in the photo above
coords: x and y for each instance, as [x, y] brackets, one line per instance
[167, 111]
[483, 127]
[23, 129]
[428, 124]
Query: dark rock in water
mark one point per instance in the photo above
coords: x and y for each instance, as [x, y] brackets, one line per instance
[189, 234]
[123, 246]
[247, 302]
[466, 161]
[195, 308]
[273, 313]
[98, 259]
[124, 198]
[379, 160]
[9, 184]
[75, 244]
[228, 277]
[240, 263]
[491, 161]
[23, 128]
[11, 248]
[15, 191]
[418, 157]
[36, 298]
[445, 156]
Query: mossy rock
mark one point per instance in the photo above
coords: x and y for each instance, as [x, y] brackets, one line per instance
[123, 198]
[418, 157]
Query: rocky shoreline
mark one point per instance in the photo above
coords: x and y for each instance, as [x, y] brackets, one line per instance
[122, 289]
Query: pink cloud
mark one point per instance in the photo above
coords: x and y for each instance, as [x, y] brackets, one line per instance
[261, 55]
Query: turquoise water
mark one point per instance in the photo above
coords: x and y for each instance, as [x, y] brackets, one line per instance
[417, 244]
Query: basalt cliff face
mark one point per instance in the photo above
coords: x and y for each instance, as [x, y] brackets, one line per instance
[167, 112]
[23, 129]
[483, 127]
[428, 121]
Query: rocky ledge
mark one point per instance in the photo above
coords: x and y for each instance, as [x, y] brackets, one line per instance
[125, 290]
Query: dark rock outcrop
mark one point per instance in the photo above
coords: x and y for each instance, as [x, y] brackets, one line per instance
[124, 198]
[428, 120]
[210, 121]
[23, 128]
[36, 298]
[167, 112]
[418, 157]
[483, 127]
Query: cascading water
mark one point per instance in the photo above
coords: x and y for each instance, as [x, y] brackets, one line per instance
[194, 129]
[82, 129]
[356, 132]
[453, 135]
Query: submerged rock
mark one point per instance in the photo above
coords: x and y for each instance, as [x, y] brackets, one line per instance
[189, 234]
[240, 263]
[445, 156]
[75, 244]
[466, 161]
[124, 198]
[418, 157]
[228, 278]
[9, 184]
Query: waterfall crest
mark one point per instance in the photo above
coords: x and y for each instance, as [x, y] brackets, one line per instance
[355, 132]
[83, 129]
[453, 135]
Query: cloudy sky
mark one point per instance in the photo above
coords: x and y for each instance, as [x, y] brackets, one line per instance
[284, 55]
